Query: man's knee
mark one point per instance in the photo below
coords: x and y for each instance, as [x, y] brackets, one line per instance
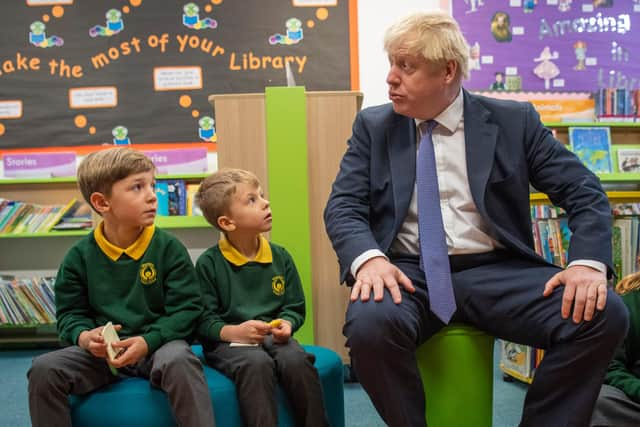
[375, 325]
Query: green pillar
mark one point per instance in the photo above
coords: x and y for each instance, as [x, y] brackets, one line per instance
[287, 168]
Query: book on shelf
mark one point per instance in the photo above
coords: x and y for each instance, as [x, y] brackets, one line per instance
[592, 145]
[162, 195]
[628, 158]
[26, 301]
[76, 216]
[21, 217]
[616, 104]
[192, 207]
[177, 193]
[516, 358]
[172, 197]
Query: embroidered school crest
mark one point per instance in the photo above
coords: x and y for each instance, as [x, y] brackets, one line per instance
[277, 285]
[147, 273]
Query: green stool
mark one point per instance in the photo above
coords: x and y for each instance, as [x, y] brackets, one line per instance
[456, 366]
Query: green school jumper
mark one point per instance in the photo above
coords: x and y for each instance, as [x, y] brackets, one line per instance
[624, 369]
[235, 289]
[149, 288]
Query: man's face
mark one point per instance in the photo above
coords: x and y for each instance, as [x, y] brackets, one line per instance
[416, 88]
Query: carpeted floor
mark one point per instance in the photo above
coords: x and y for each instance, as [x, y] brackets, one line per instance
[508, 397]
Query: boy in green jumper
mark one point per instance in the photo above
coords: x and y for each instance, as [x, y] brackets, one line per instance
[253, 302]
[618, 404]
[135, 275]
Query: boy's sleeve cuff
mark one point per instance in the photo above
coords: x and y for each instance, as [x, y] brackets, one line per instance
[75, 333]
[294, 323]
[154, 340]
[215, 330]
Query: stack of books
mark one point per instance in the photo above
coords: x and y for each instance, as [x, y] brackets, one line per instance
[27, 301]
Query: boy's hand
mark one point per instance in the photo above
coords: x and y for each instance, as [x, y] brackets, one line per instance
[93, 342]
[249, 332]
[135, 348]
[282, 332]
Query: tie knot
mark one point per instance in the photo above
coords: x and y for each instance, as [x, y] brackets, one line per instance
[428, 126]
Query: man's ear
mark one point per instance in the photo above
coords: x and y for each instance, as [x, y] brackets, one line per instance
[451, 71]
[99, 202]
[225, 223]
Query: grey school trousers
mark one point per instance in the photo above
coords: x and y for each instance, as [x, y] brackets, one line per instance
[173, 368]
[615, 409]
[255, 372]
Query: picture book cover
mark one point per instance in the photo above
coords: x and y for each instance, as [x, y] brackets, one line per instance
[162, 194]
[177, 197]
[516, 358]
[592, 145]
[628, 159]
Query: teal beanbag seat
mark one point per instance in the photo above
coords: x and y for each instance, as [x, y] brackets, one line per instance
[134, 402]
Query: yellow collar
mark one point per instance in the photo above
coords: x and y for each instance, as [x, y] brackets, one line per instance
[135, 251]
[231, 254]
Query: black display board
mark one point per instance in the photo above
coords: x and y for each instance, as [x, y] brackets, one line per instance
[92, 72]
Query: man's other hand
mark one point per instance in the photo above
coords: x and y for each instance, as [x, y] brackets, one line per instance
[378, 273]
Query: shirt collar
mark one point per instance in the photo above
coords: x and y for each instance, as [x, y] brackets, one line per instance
[451, 116]
[231, 254]
[135, 251]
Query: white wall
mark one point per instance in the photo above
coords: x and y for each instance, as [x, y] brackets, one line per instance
[374, 16]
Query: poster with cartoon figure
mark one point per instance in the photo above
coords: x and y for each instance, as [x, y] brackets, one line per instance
[133, 72]
[560, 45]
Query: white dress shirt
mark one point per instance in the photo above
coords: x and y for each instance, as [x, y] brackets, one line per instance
[465, 230]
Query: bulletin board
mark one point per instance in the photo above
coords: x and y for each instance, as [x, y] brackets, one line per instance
[551, 45]
[94, 72]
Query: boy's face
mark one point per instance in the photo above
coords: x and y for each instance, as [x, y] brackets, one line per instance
[133, 200]
[249, 211]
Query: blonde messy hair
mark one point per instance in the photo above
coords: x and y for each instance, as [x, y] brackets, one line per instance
[216, 190]
[434, 36]
[101, 169]
[628, 283]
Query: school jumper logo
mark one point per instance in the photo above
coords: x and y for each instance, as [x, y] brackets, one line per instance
[147, 273]
[277, 285]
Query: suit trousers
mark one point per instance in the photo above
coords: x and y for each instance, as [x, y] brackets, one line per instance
[255, 372]
[501, 295]
[72, 370]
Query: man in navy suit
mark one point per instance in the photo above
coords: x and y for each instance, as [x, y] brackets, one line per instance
[487, 153]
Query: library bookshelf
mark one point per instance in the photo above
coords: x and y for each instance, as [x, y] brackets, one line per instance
[26, 255]
[620, 188]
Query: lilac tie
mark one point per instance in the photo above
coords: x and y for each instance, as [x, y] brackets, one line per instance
[434, 259]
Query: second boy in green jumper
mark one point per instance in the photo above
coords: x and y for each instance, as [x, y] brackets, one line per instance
[135, 275]
[253, 302]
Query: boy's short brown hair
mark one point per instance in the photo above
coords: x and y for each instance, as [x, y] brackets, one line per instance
[101, 169]
[216, 190]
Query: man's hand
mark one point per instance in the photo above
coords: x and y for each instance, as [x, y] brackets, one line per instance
[249, 332]
[377, 274]
[135, 348]
[282, 332]
[584, 287]
[93, 342]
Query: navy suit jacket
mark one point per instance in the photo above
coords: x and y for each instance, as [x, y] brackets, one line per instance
[507, 149]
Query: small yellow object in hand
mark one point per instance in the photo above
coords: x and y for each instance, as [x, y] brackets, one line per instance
[275, 323]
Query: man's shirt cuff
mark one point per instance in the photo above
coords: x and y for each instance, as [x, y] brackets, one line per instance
[364, 257]
[590, 263]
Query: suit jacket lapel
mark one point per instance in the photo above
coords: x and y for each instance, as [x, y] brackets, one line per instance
[401, 145]
[480, 144]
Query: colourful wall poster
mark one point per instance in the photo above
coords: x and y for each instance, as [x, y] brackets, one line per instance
[121, 72]
[551, 45]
